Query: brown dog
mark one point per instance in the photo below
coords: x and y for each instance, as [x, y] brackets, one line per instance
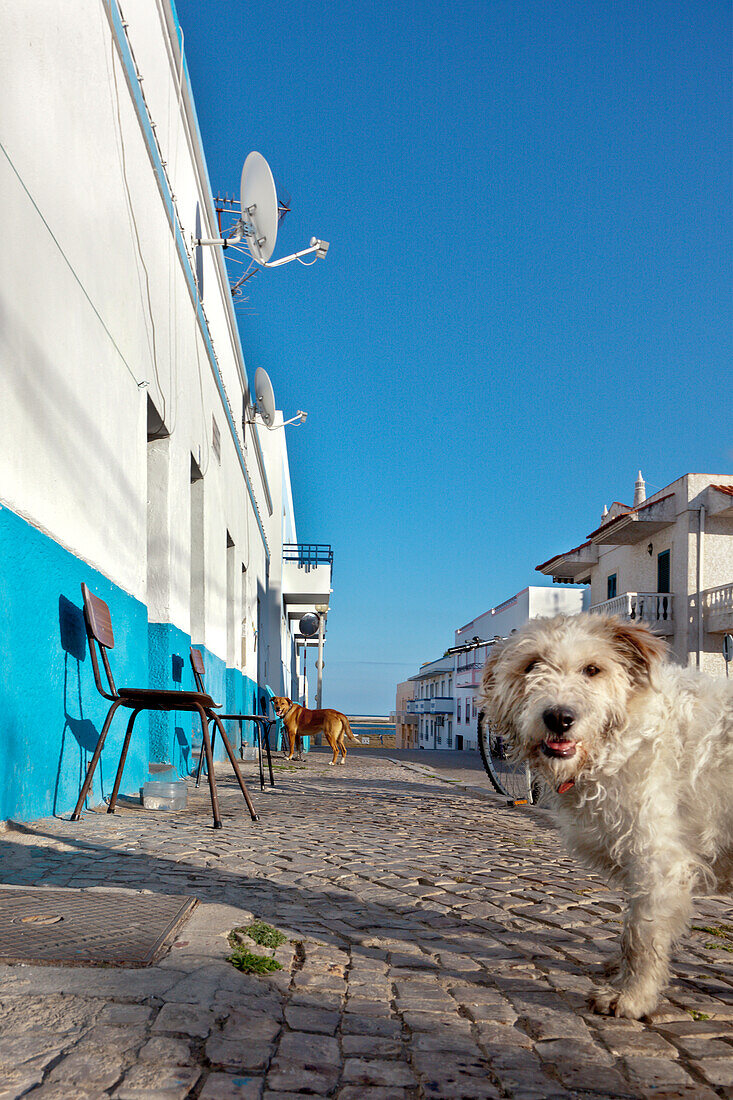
[300, 722]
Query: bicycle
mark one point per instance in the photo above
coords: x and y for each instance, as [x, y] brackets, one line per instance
[514, 780]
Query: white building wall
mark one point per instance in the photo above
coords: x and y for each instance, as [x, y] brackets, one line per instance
[105, 307]
[533, 602]
[97, 299]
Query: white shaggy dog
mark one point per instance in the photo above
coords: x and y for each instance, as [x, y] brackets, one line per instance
[640, 754]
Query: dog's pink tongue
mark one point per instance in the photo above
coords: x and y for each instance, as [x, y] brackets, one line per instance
[561, 746]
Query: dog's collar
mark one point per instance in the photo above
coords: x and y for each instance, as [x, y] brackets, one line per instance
[565, 786]
[287, 712]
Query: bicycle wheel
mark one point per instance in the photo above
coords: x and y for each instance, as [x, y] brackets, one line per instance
[515, 781]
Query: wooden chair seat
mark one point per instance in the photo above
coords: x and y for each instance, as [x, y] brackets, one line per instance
[154, 698]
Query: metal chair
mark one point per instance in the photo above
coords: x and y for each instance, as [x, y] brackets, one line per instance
[99, 633]
[262, 723]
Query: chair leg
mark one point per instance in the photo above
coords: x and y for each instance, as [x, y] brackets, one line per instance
[210, 769]
[269, 757]
[259, 755]
[94, 761]
[233, 759]
[201, 757]
[201, 761]
[121, 765]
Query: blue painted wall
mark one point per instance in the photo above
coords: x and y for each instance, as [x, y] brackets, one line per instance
[50, 710]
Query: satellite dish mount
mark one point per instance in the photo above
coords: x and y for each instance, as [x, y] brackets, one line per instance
[257, 227]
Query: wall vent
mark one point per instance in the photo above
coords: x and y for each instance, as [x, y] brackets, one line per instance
[216, 440]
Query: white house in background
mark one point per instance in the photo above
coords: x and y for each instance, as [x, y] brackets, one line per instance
[470, 649]
[666, 560]
[433, 703]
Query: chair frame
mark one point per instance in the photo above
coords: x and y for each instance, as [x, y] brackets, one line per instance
[99, 634]
[263, 724]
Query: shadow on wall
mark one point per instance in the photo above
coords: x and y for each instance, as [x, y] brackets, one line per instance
[72, 630]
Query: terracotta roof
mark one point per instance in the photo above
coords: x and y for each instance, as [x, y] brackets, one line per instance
[539, 568]
[625, 515]
[724, 489]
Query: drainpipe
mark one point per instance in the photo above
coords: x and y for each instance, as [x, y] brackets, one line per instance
[700, 578]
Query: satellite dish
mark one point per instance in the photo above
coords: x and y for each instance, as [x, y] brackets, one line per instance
[309, 624]
[264, 394]
[259, 207]
[258, 223]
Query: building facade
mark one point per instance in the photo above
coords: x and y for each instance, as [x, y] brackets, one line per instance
[129, 459]
[433, 704]
[406, 722]
[666, 560]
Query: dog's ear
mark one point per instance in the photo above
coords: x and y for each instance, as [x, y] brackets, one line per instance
[640, 650]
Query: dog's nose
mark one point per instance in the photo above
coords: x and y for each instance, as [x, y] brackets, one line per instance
[558, 719]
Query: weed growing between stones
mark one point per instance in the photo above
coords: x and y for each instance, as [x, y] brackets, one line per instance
[248, 963]
[261, 934]
[264, 934]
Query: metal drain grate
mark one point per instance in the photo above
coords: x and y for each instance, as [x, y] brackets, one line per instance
[88, 927]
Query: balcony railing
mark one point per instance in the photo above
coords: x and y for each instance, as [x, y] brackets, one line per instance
[308, 554]
[429, 706]
[652, 608]
[717, 606]
[469, 677]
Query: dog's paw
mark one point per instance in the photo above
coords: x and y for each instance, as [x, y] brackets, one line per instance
[620, 1002]
[331, 763]
[342, 761]
[612, 967]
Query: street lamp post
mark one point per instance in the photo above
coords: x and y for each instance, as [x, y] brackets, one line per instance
[322, 610]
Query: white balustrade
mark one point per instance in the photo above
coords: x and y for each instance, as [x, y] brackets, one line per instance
[718, 608]
[652, 608]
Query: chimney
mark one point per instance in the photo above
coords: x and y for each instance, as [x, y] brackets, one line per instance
[605, 514]
[639, 491]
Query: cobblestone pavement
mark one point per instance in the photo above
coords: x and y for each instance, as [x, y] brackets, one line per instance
[440, 945]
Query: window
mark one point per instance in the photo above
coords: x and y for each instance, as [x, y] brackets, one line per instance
[458, 711]
[611, 587]
[663, 577]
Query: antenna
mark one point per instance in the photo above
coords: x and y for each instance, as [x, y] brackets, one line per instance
[264, 403]
[257, 226]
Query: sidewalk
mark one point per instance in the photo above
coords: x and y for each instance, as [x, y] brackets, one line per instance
[439, 945]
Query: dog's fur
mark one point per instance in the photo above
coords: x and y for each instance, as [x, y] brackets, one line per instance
[299, 722]
[645, 768]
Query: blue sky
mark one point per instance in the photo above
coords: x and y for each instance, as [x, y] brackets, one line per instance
[527, 295]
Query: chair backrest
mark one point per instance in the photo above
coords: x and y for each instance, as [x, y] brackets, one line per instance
[99, 632]
[197, 664]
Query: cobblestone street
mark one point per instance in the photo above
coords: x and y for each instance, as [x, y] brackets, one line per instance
[440, 944]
